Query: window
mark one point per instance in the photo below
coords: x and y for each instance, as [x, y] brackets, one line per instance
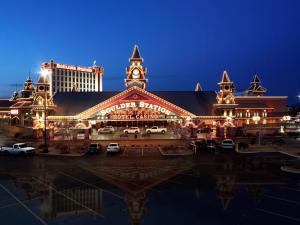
[248, 114]
[264, 113]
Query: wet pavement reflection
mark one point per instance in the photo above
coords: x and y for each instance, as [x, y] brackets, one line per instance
[207, 189]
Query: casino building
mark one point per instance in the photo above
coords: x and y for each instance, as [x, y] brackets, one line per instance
[137, 106]
[67, 78]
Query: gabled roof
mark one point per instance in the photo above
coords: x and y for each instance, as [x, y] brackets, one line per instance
[73, 103]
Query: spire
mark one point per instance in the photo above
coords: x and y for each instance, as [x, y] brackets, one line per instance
[227, 88]
[136, 72]
[43, 79]
[225, 78]
[198, 87]
[255, 79]
[15, 96]
[136, 55]
[256, 88]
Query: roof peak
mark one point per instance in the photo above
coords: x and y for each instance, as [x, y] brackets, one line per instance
[198, 87]
[136, 56]
[225, 77]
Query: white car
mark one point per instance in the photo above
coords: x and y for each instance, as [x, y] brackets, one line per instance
[155, 130]
[106, 130]
[228, 144]
[19, 148]
[113, 148]
[132, 130]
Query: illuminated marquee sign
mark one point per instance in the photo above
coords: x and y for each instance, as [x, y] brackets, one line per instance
[136, 117]
[127, 105]
[14, 112]
[70, 67]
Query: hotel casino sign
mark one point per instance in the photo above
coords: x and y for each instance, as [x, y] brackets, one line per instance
[134, 105]
[136, 116]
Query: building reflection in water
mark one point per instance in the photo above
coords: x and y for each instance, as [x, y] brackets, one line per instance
[60, 196]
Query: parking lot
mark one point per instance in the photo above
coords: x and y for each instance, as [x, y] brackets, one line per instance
[118, 134]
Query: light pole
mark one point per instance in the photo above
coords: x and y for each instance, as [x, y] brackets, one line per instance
[44, 74]
[45, 122]
[256, 120]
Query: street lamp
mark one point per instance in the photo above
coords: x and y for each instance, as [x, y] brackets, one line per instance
[44, 74]
[256, 119]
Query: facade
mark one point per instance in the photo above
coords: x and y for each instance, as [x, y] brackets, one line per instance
[67, 78]
[136, 106]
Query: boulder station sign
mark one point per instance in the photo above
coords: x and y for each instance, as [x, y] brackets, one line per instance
[141, 104]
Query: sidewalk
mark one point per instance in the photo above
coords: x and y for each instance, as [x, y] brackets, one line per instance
[291, 150]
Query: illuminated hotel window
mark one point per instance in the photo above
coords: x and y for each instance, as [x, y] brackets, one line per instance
[264, 114]
[248, 114]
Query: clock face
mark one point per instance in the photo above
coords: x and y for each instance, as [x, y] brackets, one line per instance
[135, 74]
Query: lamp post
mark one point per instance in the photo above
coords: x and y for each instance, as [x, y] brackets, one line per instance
[256, 119]
[44, 74]
[45, 122]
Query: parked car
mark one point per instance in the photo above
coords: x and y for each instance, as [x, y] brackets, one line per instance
[94, 149]
[19, 148]
[106, 130]
[155, 130]
[132, 130]
[113, 148]
[228, 144]
[199, 144]
[211, 145]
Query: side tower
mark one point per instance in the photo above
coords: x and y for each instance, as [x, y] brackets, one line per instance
[256, 89]
[42, 105]
[136, 73]
[28, 89]
[225, 99]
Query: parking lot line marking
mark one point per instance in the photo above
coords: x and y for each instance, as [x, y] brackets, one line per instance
[17, 203]
[67, 197]
[282, 199]
[92, 185]
[24, 206]
[278, 214]
[291, 189]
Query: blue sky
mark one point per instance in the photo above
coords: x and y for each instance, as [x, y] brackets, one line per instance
[183, 42]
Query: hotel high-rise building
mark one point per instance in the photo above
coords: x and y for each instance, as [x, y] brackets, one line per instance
[68, 78]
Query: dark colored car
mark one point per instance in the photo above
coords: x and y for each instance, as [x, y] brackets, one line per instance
[203, 145]
[211, 145]
[200, 145]
[94, 149]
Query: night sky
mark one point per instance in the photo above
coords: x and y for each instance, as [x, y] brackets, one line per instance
[182, 42]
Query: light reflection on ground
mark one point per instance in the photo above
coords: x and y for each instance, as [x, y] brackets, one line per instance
[208, 189]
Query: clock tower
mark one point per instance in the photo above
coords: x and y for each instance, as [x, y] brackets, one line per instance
[136, 73]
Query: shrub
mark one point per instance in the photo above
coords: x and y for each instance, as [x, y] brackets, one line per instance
[243, 145]
[17, 135]
[42, 146]
[64, 149]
